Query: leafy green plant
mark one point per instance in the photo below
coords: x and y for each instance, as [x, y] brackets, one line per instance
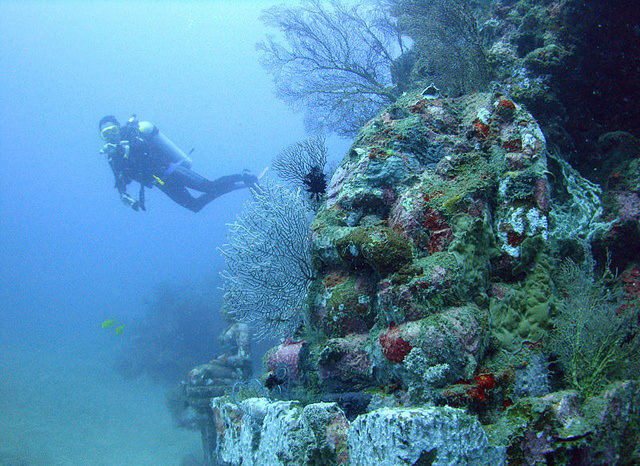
[595, 334]
[448, 49]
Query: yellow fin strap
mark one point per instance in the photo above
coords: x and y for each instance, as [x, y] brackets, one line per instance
[158, 180]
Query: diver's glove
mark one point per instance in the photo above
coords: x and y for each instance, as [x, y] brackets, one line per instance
[131, 202]
[121, 149]
[109, 149]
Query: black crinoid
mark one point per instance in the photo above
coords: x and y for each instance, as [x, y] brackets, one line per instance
[315, 183]
[303, 165]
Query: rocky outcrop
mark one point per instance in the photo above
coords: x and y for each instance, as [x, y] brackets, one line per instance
[562, 428]
[435, 252]
[558, 428]
[257, 431]
[438, 202]
[435, 435]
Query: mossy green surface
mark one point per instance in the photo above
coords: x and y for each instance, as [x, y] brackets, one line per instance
[615, 414]
[537, 98]
[447, 326]
[328, 218]
[569, 428]
[473, 247]
[546, 59]
[347, 359]
[470, 176]
[529, 416]
[347, 305]
[379, 247]
[525, 311]
[432, 286]
[519, 185]
[455, 336]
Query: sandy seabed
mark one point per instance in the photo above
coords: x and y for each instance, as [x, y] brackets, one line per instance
[61, 404]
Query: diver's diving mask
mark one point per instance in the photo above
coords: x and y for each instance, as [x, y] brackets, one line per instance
[110, 133]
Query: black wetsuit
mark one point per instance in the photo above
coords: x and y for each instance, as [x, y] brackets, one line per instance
[134, 160]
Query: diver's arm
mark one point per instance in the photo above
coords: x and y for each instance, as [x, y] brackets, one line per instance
[115, 154]
[121, 185]
[141, 197]
[131, 202]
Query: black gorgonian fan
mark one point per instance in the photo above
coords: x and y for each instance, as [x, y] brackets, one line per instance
[302, 165]
[315, 183]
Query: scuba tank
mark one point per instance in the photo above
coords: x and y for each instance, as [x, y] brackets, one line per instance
[161, 144]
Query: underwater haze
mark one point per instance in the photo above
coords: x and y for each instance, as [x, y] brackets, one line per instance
[72, 255]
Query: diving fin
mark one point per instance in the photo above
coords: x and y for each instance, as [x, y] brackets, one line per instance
[263, 172]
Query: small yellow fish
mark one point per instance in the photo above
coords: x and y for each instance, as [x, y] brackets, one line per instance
[119, 329]
[108, 323]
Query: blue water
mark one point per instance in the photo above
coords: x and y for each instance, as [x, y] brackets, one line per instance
[71, 255]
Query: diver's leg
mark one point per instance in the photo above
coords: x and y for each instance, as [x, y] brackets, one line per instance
[215, 188]
[226, 184]
[180, 195]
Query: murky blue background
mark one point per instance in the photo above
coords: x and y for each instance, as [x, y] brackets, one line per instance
[71, 254]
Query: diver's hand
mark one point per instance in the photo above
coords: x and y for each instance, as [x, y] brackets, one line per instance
[109, 149]
[131, 202]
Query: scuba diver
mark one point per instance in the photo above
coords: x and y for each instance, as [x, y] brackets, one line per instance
[138, 151]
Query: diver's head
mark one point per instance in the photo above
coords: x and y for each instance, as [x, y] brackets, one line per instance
[109, 129]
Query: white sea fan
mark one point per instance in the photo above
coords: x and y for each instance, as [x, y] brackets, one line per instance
[268, 261]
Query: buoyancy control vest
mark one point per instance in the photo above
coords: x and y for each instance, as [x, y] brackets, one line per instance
[159, 144]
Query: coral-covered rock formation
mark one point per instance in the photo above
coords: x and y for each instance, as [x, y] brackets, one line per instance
[430, 321]
[562, 428]
[435, 326]
[434, 194]
[435, 254]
